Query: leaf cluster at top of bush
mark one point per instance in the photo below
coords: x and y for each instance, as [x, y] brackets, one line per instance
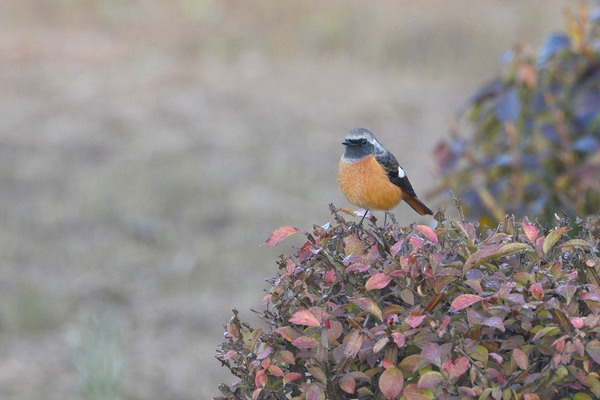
[535, 143]
[422, 313]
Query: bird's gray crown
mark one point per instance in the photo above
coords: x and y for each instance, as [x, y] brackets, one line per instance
[360, 143]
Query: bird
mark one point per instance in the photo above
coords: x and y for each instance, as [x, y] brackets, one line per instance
[370, 177]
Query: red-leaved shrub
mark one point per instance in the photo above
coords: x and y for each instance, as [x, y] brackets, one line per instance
[420, 313]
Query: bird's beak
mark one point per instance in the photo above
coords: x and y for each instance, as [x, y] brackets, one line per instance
[346, 143]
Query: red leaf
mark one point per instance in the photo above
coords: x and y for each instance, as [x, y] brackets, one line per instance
[292, 376]
[395, 249]
[520, 358]
[464, 301]
[304, 317]
[315, 392]
[416, 242]
[413, 392]
[398, 339]
[354, 245]
[378, 281]
[427, 232]
[430, 378]
[431, 353]
[593, 349]
[494, 322]
[287, 357]
[537, 290]
[530, 230]
[458, 368]
[260, 379]
[275, 370]
[347, 383]
[391, 382]
[335, 331]
[305, 342]
[288, 333]
[578, 322]
[353, 343]
[279, 235]
[415, 320]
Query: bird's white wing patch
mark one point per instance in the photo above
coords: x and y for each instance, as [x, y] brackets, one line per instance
[401, 173]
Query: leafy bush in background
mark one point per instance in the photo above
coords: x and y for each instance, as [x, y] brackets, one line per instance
[421, 313]
[535, 148]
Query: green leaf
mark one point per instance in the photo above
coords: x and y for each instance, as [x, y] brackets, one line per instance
[549, 330]
[369, 306]
[493, 251]
[429, 379]
[552, 238]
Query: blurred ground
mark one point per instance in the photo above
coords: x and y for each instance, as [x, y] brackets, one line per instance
[148, 147]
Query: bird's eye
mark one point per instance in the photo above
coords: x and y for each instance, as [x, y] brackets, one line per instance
[363, 141]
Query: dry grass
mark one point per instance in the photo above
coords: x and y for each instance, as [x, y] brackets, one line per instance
[149, 147]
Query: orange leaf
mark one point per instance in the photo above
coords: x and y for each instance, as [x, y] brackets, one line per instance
[279, 235]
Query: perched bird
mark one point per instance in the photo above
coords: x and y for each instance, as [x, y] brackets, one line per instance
[370, 176]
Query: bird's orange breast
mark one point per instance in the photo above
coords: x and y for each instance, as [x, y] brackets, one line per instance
[365, 184]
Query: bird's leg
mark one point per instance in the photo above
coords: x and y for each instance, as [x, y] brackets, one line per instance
[363, 217]
[385, 218]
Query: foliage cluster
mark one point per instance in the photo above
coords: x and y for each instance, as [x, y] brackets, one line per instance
[420, 313]
[535, 146]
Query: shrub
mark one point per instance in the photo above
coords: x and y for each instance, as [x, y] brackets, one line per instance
[422, 313]
[535, 144]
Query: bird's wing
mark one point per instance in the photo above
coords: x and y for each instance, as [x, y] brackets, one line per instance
[395, 172]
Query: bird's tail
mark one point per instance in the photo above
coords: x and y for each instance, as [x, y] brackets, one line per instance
[417, 205]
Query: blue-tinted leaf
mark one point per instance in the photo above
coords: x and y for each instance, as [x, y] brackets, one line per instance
[502, 160]
[586, 144]
[554, 43]
[508, 106]
[549, 132]
[587, 105]
[507, 57]
[489, 90]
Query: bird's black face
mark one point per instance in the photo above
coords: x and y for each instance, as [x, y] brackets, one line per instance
[357, 148]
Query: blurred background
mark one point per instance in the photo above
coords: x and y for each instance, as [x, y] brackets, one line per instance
[149, 147]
